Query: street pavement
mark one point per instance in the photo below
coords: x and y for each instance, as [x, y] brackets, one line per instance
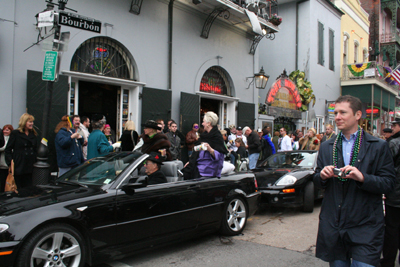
[276, 238]
[272, 238]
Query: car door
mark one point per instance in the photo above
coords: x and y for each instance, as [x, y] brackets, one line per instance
[157, 212]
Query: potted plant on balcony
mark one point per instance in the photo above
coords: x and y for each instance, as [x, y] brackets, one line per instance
[304, 87]
[275, 19]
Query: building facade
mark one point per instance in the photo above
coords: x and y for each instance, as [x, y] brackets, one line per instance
[309, 41]
[152, 59]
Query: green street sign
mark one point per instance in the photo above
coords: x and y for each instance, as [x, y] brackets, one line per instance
[49, 66]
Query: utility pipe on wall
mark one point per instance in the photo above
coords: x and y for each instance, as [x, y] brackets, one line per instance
[170, 27]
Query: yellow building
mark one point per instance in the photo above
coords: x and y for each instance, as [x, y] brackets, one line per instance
[354, 34]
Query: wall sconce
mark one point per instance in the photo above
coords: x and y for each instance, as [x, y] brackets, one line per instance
[260, 79]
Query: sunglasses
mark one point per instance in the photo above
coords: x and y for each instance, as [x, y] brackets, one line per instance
[196, 126]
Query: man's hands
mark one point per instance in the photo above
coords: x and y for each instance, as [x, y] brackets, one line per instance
[355, 174]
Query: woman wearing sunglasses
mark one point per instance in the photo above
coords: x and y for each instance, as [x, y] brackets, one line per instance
[192, 137]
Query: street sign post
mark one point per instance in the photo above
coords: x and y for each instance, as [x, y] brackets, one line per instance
[46, 19]
[49, 66]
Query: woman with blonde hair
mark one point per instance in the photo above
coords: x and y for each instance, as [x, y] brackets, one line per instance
[129, 137]
[22, 149]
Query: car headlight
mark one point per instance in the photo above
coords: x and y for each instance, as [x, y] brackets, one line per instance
[3, 227]
[287, 180]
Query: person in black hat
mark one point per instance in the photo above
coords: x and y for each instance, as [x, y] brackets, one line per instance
[387, 133]
[154, 141]
[153, 164]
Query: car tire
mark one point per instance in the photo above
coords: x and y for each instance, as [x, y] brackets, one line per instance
[234, 217]
[54, 245]
[308, 198]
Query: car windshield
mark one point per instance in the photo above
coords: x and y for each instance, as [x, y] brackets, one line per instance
[101, 170]
[290, 160]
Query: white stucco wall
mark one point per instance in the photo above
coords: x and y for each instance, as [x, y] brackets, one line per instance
[144, 35]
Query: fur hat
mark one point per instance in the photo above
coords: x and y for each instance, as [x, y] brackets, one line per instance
[151, 124]
[313, 130]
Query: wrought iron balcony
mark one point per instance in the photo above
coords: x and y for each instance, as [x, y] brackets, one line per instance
[369, 72]
[391, 37]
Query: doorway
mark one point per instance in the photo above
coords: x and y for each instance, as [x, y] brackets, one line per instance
[97, 98]
[206, 105]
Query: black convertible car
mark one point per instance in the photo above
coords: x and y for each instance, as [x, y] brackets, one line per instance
[104, 209]
[286, 179]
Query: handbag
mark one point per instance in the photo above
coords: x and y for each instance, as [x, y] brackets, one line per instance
[10, 182]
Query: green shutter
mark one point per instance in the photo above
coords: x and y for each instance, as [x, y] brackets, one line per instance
[320, 43]
[331, 50]
[246, 114]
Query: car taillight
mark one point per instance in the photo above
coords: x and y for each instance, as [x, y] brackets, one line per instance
[255, 183]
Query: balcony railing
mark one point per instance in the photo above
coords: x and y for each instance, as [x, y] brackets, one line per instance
[394, 36]
[369, 71]
[263, 8]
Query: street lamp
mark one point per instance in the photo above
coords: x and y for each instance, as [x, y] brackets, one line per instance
[62, 4]
[260, 79]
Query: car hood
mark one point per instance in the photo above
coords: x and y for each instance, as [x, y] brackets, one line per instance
[42, 195]
[268, 177]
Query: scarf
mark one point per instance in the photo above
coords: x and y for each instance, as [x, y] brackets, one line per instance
[214, 139]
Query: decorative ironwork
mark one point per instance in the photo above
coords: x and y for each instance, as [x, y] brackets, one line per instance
[211, 18]
[214, 81]
[136, 5]
[256, 41]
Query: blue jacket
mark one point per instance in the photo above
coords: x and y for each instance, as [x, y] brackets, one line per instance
[69, 151]
[268, 139]
[98, 145]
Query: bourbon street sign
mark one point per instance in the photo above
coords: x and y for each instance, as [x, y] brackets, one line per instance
[80, 22]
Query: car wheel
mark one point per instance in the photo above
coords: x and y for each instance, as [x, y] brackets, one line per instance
[234, 217]
[308, 205]
[53, 245]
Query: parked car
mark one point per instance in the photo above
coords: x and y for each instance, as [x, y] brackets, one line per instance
[104, 210]
[286, 179]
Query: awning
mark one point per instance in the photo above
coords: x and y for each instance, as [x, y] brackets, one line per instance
[255, 23]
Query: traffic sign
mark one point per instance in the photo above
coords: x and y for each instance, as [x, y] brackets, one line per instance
[46, 19]
[80, 22]
[49, 66]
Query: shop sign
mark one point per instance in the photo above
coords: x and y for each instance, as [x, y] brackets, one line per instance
[79, 22]
[331, 109]
[284, 112]
[292, 101]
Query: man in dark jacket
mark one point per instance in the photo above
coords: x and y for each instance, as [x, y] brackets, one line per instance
[328, 133]
[351, 222]
[153, 165]
[392, 204]
[253, 145]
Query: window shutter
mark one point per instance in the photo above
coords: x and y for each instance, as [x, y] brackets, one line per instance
[320, 43]
[331, 50]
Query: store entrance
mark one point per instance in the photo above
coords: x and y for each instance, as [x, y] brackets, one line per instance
[96, 98]
[282, 122]
[206, 105]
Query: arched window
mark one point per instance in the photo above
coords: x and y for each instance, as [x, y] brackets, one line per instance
[103, 56]
[217, 81]
[346, 38]
[356, 46]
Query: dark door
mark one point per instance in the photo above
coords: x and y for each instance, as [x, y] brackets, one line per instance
[156, 104]
[35, 95]
[157, 212]
[246, 114]
[189, 114]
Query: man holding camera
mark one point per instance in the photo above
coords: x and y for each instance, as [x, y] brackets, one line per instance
[355, 169]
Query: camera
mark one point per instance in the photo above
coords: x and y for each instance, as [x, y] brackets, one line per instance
[338, 172]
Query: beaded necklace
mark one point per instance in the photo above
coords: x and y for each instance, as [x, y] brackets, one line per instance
[354, 150]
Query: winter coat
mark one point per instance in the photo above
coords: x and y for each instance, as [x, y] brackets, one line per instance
[304, 141]
[128, 139]
[69, 150]
[22, 149]
[175, 148]
[355, 217]
[393, 198]
[191, 137]
[98, 145]
[333, 136]
[157, 177]
[253, 142]
[155, 143]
